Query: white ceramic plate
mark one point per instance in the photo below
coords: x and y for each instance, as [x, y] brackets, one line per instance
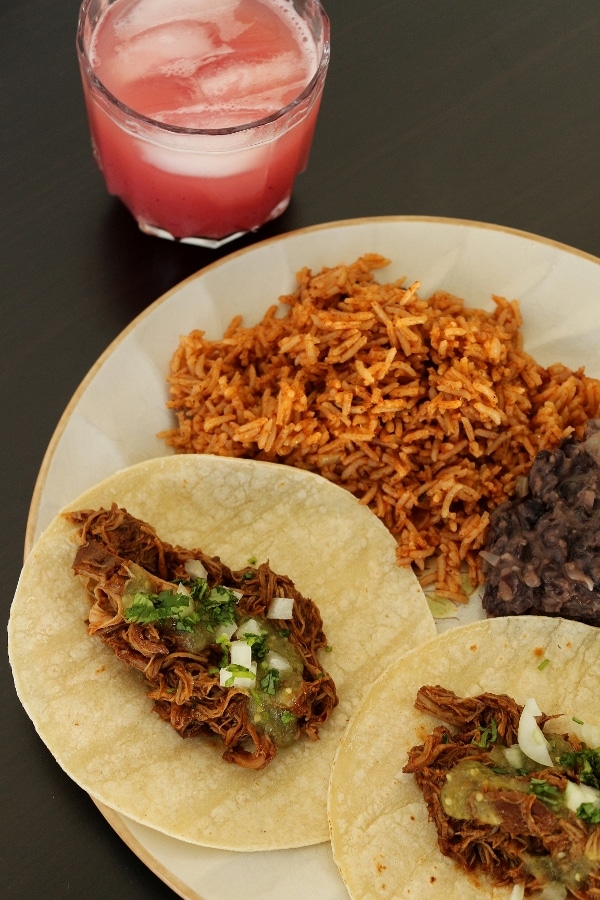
[559, 291]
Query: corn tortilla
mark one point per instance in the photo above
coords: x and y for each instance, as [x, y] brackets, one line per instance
[93, 713]
[382, 841]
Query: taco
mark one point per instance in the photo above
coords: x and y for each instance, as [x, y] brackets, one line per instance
[224, 652]
[464, 705]
[93, 712]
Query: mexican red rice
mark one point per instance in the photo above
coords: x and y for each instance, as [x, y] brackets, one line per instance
[426, 410]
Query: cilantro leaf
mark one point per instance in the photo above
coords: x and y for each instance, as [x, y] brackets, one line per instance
[147, 607]
[270, 682]
[225, 644]
[237, 671]
[258, 643]
[589, 812]
[488, 736]
[198, 588]
[217, 607]
[547, 793]
[586, 763]
[202, 605]
[142, 609]
[171, 603]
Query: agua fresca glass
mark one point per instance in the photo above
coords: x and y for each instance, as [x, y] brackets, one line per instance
[202, 112]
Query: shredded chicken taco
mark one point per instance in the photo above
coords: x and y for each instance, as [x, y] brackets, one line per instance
[122, 636]
[485, 779]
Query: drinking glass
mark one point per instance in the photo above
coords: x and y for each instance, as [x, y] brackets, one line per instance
[194, 184]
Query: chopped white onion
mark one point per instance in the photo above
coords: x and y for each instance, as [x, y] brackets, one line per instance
[281, 608]
[195, 568]
[514, 756]
[522, 485]
[553, 891]
[243, 681]
[491, 558]
[182, 589]
[276, 661]
[225, 630]
[241, 654]
[576, 794]
[531, 739]
[237, 594]
[518, 892]
[250, 626]
[589, 734]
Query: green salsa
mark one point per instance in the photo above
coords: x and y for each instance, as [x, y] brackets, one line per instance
[196, 614]
[466, 795]
[271, 703]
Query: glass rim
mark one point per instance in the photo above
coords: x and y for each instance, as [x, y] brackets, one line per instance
[181, 129]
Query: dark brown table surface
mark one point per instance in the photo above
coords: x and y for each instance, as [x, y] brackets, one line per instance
[468, 109]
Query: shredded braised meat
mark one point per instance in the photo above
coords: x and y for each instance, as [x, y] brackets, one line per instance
[532, 839]
[183, 683]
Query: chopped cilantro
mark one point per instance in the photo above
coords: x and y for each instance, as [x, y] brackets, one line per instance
[258, 643]
[148, 608]
[287, 718]
[586, 763]
[217, 607]
[187, 623]
[237, 671]
[284, 632]
[589, 812]
[224, 643]
[210, 607]
[543, 664]
[577, 721]
[488, 736]
[547, 793]
[270, 682]
[142, 609]
[197, 587]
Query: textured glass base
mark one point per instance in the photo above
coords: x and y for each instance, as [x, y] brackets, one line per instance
[211, 243]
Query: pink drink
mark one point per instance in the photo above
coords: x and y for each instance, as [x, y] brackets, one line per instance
[202, 111]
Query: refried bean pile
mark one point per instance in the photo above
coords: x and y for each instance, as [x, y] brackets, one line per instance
[543, 548]
[428, 411]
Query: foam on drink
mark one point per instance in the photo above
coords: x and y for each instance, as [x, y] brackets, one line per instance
[136, 17]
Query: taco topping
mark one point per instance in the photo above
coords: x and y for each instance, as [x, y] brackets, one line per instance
[233, 653]
[498, 810]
